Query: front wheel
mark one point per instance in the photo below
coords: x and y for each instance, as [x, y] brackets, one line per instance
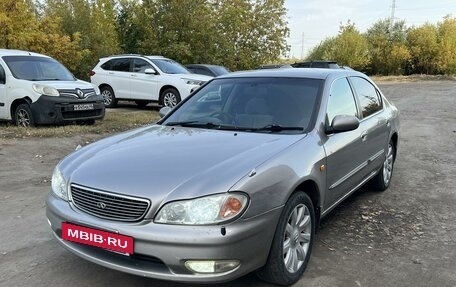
[383, 179]
[23, 116]
[109, 97]
[292, 243]
[170, 98]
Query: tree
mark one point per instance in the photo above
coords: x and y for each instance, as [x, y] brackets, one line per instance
[422, 42]
[388, 51]
[446, 59]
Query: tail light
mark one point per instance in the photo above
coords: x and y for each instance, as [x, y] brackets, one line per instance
[92, 73]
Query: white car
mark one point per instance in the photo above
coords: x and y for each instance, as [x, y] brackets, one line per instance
[36, 89]
[144, 79]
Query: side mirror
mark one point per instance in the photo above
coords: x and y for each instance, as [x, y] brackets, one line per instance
[164, 111]
[150, 71]
[343, 123]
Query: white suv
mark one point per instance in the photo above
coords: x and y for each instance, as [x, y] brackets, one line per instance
[36, 89]
[144, 79]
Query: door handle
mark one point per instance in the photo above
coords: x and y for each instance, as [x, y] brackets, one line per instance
[364, 136]
[134, 75]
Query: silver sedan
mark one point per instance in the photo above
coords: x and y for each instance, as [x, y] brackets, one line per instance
[234, 179]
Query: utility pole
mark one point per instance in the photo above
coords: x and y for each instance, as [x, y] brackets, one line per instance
[393, 10]
[302, 47]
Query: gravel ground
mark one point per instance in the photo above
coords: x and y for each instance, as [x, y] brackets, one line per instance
[405, 236]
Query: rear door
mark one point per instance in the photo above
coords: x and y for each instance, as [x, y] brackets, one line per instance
[374, 123]
[345, 163]
[119, 77]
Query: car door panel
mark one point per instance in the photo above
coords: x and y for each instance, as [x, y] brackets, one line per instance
[144, 86]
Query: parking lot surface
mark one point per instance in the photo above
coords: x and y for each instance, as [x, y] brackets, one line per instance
[405, 236]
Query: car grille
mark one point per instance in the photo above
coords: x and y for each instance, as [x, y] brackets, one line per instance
[78, 93]
[109, 205]
[81, 114]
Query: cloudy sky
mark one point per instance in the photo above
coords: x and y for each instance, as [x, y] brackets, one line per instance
[318, 19]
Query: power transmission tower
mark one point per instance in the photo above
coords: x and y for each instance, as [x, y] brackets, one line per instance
[393, 11]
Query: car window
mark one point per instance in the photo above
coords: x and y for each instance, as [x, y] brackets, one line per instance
[121, 65]
[2, 75]
[368, 96]
[169, 66]
[253, 102]
[140, 65]
[201, 71]
[37, 68]
[341, 100]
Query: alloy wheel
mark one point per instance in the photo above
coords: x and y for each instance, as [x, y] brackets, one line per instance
[388, 165]
[22, 118]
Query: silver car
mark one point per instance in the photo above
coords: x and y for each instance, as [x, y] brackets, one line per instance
[234, 179]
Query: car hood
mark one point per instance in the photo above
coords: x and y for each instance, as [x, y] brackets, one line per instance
[168, 163]
[66, 84]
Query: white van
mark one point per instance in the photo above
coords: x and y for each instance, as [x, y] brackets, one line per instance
[36, 89]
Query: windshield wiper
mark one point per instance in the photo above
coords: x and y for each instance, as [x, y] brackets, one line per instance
[208, 125]
[278, 128]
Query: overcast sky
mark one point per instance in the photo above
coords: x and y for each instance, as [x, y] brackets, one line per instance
[318, 19]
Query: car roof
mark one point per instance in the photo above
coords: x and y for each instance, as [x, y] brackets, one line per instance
[133, 55]
[201, 65]
[12, 52]
[315, 73]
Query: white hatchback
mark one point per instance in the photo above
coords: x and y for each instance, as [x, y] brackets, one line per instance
[143, 79]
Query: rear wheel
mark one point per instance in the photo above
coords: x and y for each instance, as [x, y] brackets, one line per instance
[292, 243]
[109, 98]
[23, 116]
[383, 179]
[170, 97]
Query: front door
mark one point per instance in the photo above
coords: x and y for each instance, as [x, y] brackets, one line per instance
[143, 86]
[345, 163]
[4, 113]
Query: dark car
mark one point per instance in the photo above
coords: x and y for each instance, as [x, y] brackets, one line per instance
[317, 64]
[274, 66]
[208, 70]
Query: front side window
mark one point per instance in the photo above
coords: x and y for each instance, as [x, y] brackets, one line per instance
[253, 103]
[341, 100]
[368, 96]
[140, 66]
[36, 68]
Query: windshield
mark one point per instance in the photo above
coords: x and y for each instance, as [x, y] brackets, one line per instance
[170, 67]
[36, 68]
[251, 104]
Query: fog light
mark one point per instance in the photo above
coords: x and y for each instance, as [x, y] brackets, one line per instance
[211, 266]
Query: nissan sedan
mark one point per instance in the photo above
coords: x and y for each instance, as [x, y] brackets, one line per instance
[234, 179]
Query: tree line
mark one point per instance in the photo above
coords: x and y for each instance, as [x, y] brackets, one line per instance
[393, 49]
[239, 34]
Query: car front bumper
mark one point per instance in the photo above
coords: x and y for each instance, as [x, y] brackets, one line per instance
[160, 250]
[56, 110]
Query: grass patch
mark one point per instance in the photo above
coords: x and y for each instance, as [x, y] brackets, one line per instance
[115, 120]
[413, 78]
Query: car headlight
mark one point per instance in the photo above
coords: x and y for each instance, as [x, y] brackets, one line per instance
[193, 82]
[59, 184]
[211, 209]
[45, 90]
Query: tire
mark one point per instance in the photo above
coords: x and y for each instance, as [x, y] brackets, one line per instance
[109, 97]
[141, 104]
[23, 116]
[279, 268]
[382, 180]
[170, 98]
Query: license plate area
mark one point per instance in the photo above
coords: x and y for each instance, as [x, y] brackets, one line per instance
[111, 241]
[83, 107]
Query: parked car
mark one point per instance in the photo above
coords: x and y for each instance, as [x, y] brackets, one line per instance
[143, 79]
[317, 64]
[36, 89]
[274, 66]
[208, 70]
[235, 179]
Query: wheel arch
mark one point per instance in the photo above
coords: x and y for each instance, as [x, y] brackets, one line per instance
[162, 89]
[17, 102]
[311, 188]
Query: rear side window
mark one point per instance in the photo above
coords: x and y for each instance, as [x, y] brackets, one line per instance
[341, 100]
[368, 96]
[121, 65]
[2, 75]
